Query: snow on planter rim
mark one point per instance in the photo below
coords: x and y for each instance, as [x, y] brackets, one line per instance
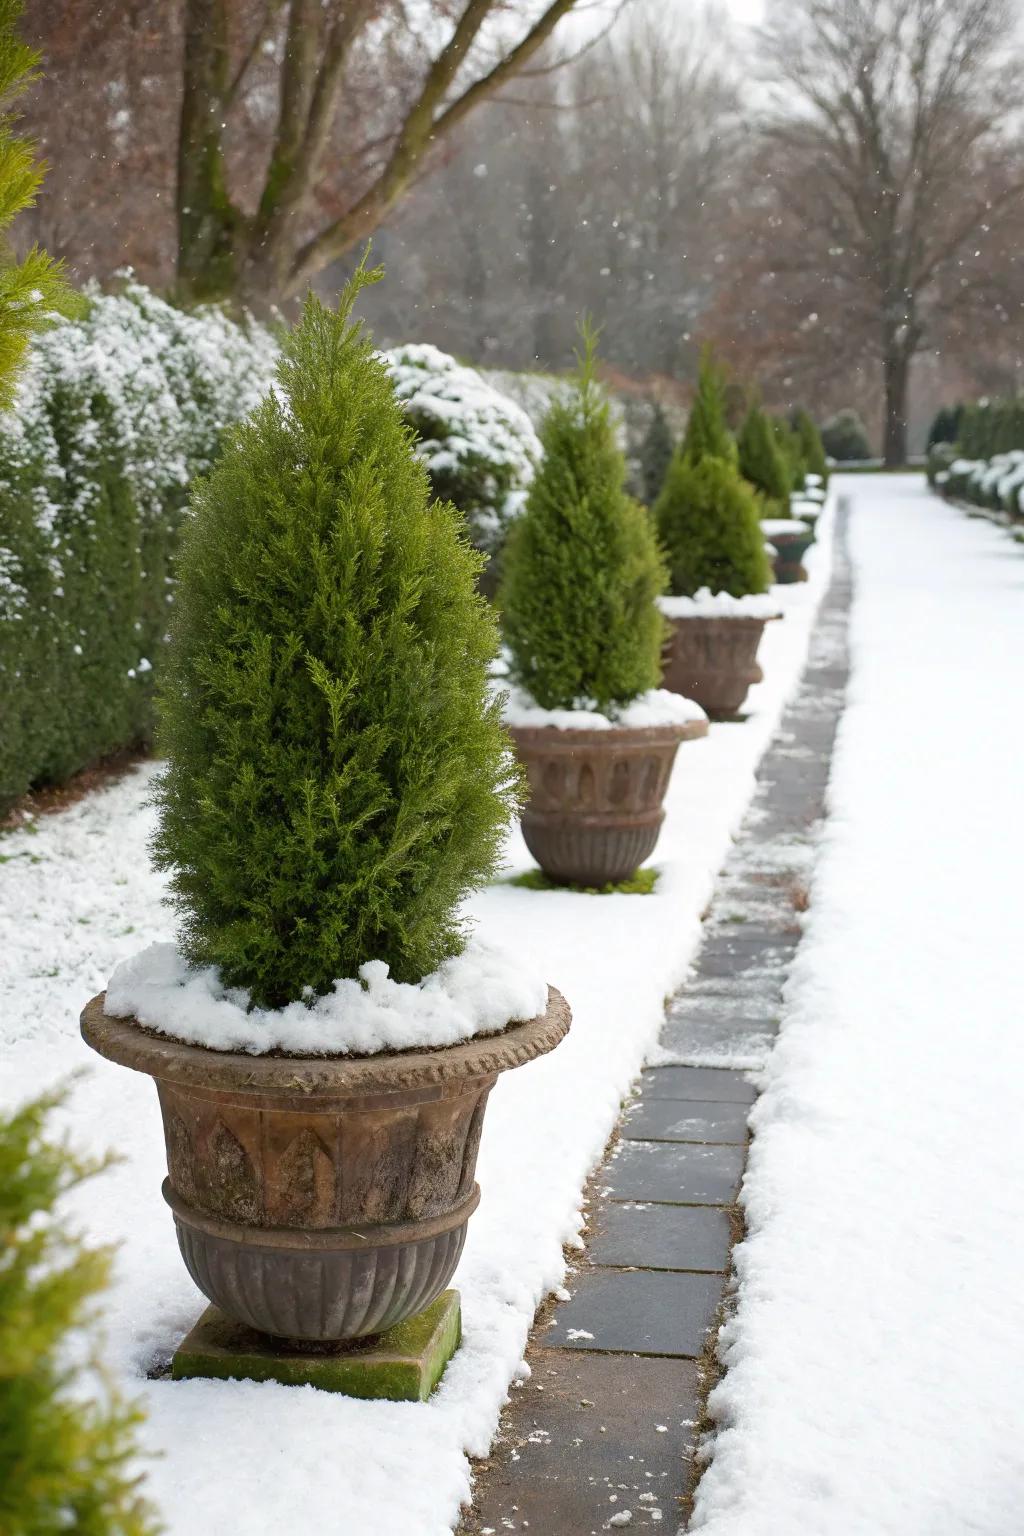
[706, 604]
[478, 992]
[776, 527]
[656, 707]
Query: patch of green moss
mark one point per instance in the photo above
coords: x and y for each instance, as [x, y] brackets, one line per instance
[641, 883]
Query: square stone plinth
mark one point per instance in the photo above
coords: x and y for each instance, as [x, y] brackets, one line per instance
[404, 1365]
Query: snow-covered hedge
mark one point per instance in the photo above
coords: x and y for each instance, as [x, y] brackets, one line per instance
[115, 414]
[479, 446]
[996, 483]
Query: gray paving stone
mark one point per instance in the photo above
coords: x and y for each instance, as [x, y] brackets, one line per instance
[675, 1120]
[637, 1312]
[590, 1434]
[675, 1171]
[645, 1235]
[702, 1083]
[694, 1040]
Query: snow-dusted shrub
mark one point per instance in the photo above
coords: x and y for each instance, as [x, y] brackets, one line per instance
[844, 437]
[337, 773]
[478, 445]
[115, 414]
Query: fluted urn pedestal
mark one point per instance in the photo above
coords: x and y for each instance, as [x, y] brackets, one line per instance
[322, 1198]
[595, 796]
[713, 659]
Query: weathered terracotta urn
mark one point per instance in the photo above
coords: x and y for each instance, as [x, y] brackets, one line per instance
[596, 796]
[713, 659]
[322, 1198]
[791, 539]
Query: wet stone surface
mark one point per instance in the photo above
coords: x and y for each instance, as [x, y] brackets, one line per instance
[606, 1423]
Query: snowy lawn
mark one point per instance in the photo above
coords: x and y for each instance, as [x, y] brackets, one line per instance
[77, 896]
[875, 1365]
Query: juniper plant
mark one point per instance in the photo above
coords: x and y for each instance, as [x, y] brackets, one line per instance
[65, 1461]
[707, 433]
[707, 519]
[582, 568]
[655, 456]
[338, 776]
[761, 462]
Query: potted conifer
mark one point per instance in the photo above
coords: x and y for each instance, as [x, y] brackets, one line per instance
[707, 519]
[790, 539]
[582, 573]
[761, 461]
[324, 1038]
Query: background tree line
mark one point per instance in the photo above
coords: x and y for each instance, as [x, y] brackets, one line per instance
[838, 202]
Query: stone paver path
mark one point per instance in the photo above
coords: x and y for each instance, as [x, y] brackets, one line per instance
[602, 1436]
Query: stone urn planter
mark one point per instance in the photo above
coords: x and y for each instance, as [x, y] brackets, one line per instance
[322, 1198]
[791, 539]
[595, 796]
[713, 657]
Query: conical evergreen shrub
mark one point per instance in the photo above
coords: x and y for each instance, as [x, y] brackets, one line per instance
[338, 775]
[65, 1460]
[788, 443]
[655, 456]
[707, 520]
[761, 462]
[707, 433]
[811, 449]
[582, 568]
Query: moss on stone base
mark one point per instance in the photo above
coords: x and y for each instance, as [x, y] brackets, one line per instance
[403, 1365]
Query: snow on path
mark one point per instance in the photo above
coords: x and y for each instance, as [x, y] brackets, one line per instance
[875, 1365]
[77, 896]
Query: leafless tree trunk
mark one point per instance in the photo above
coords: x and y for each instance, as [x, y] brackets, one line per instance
[887, 188]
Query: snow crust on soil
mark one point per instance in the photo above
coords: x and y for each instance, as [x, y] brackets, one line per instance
[478, 992]
[78, 895]
[874, 1366]
[656, 707]
[706, 604]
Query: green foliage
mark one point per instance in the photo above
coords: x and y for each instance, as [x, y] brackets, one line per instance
[31, 290]
[65, 1460]
[788, 443]
[337, 774]
[582, 569]
[940, 456]
[640, 884]
[656, 451]
[707, 434]
[707, 520]
[844, 437]
[761, 461]
[945, 427]
[812, 452]
[988, 427]
[115, 414]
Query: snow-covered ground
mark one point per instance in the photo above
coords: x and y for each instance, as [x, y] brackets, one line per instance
[77, 896]
[875, 1364]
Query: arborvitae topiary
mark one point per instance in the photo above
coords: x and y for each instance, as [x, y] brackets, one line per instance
[811, 450]
[582, 569]
[788, 444]
[707, 434]
[707, 519]
[338, 774]
[655, 456]
[65, 1460]
[761, 462]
